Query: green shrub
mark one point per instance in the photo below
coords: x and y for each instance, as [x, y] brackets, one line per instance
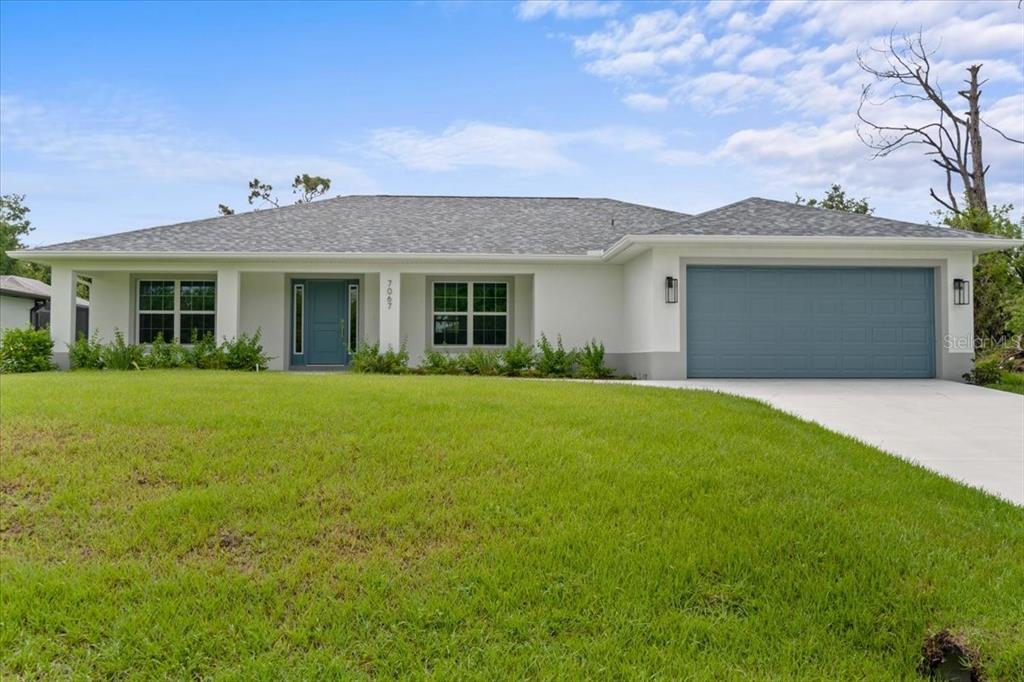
[591, 361]
[245, 353]
[436, 362]
[517, 359]
[985, 372]
[205, 353]
[120, 354]
[369, 359]
[366, 358]
[164, 355]
[480, 361]
[26, 350]
[554, 361]
[86, 353]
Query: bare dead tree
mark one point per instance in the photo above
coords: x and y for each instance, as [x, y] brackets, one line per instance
[953, 141]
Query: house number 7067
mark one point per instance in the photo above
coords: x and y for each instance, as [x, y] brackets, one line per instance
[390, 291]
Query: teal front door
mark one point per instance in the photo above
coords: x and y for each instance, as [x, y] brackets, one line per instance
[326, 310]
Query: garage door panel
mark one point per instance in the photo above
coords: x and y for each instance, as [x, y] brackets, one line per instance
[825, 335]
[915, 363]
[885, 306]
[916, 335]
[916, 279]
[886, 362]
[915, 306]
[809, 322]
[885, 280]
[825, 362]
[799, 306]
[880, 335]
[763, 363]
[854, 279]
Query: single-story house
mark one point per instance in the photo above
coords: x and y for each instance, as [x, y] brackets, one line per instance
[757, 288]
[25, 302]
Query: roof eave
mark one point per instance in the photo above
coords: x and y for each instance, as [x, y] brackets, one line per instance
[619, 248]
[55, 256]
[612, 254]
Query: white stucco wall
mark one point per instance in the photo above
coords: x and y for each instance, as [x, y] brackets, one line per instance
[580, 303]
[265, 308]
[110, 304]
[413, 325]
[621, 304]
[14, 312]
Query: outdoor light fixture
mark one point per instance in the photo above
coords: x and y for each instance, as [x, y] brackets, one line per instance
[961, 292]
[671, 290]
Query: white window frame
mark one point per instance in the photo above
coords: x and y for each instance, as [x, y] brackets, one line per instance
[470, 313]
[177, 311]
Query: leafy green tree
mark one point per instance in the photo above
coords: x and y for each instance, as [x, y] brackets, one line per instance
[14, 227]
[835, 198]
[999, 276]
[308, 187]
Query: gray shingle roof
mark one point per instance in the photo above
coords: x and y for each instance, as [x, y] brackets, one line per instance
[485, 225]
[757, 216]
[26, 287]
[401, 224]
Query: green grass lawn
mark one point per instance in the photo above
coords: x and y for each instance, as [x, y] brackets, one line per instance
[1012, 382]
[239, 526]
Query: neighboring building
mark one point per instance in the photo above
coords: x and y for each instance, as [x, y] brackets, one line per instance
[25, 302]
[758, 288]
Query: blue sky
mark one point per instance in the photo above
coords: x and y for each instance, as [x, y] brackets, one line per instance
[124, 115]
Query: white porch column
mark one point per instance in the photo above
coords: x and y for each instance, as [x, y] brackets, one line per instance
[62, 312]
[229, 289]
[390, 306]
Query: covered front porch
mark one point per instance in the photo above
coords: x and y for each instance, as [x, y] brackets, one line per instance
[308, 318]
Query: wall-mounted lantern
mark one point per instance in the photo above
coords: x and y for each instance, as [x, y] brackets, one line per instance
[671, 290]
[961, 292]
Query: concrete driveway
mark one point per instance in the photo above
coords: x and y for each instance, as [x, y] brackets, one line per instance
[971, 434]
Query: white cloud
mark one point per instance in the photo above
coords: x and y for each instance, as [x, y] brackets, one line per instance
[1006, 114]
[748, 21]
[525, 150]
[723, 91]
[623, 138]
[766, 59]
[726, 49]
[642, 101]
[566, 9]
[472, 144]
[119, 133]
[643, 45]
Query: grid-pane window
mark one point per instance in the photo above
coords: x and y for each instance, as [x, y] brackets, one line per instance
[470, 313]
[195, 327]
[490, 330]
[450, 330]
[490, 297]
[156, 295]
[152, 325]
[176, 309]
[451, 297]
[197, 296]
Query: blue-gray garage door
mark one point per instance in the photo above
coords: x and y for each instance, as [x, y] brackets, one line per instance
[809, 322]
